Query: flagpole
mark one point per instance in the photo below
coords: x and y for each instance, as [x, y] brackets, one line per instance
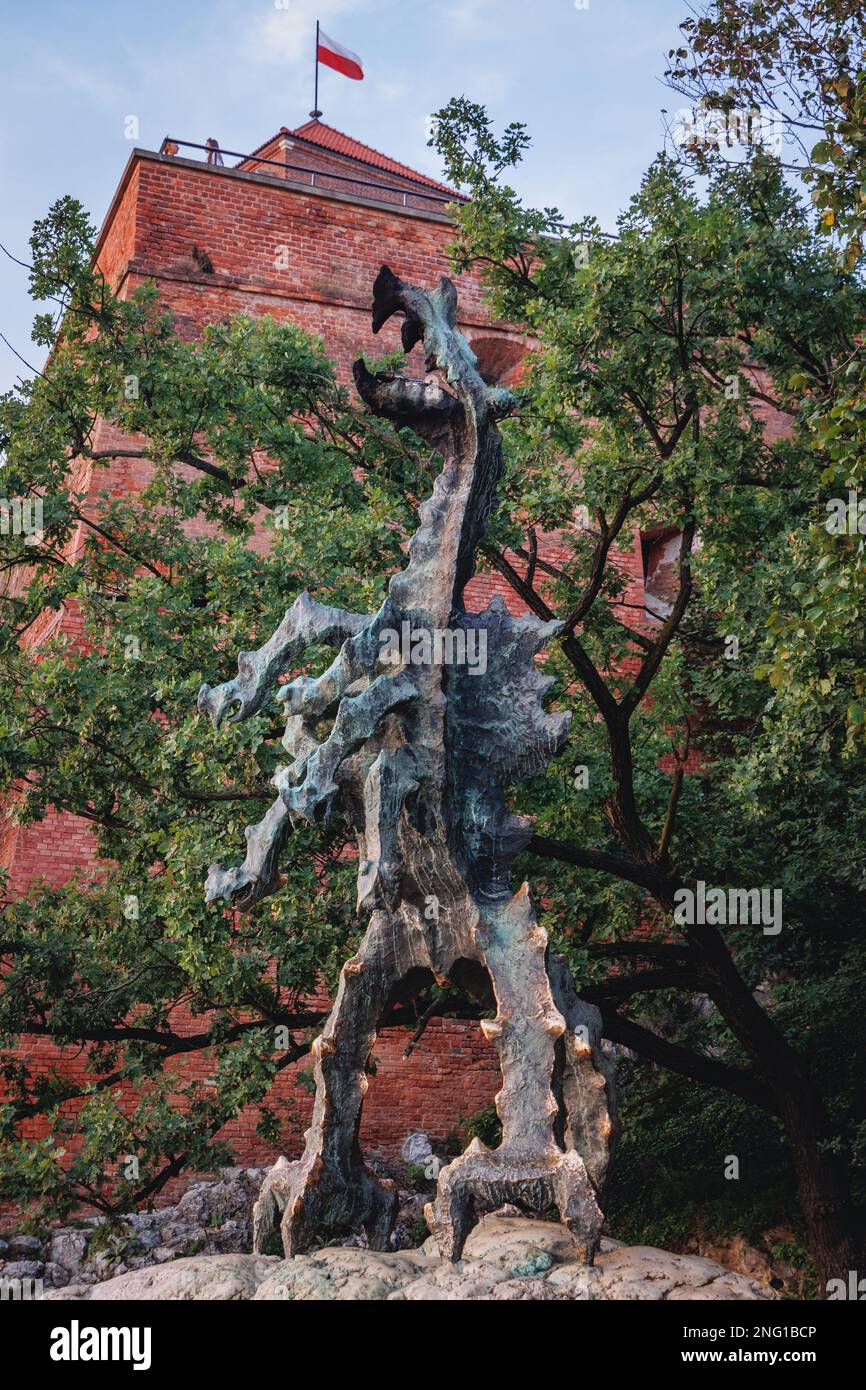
[316, 113]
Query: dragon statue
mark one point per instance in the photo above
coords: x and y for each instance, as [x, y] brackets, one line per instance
[421, 754]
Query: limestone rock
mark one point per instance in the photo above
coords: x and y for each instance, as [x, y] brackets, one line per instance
[444, 1282]
[69, 1249]
[23, 1247]
[210, 1218]
[510, 1241]
[641, 1272]
[416, 1147]
[69, 1293]
[23, 1269]
[341, 1273]
[220, 1278]
[526, 1291]
[506, 1258]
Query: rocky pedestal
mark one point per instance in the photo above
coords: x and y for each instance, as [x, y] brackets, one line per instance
[504, 1258]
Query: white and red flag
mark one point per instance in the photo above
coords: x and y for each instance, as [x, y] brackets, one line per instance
[341, 59]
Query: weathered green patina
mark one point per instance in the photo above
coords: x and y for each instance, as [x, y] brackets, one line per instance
[422, 756]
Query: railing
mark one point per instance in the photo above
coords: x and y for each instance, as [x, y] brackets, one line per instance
[322, 175]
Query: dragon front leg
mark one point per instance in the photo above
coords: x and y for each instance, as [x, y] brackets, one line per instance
[258, 876]
[305, 623]
[330, 1185]
[528, 1168]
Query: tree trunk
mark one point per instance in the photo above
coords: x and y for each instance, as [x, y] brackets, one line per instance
[823, 1185]
[822, 1179]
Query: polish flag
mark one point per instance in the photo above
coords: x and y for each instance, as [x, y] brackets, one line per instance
[343, 60]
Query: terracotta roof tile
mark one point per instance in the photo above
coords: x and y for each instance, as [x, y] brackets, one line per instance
[327, 138]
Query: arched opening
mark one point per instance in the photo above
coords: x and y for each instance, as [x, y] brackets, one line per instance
[500, 360]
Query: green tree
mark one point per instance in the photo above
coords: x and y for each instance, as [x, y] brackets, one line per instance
[658, 351]
[804, 61]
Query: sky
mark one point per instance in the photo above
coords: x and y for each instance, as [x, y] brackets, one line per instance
[585, 76]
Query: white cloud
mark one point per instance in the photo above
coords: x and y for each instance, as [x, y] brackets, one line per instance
[62, 74]
[287, 36]
[392, 91]
[474, 18]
